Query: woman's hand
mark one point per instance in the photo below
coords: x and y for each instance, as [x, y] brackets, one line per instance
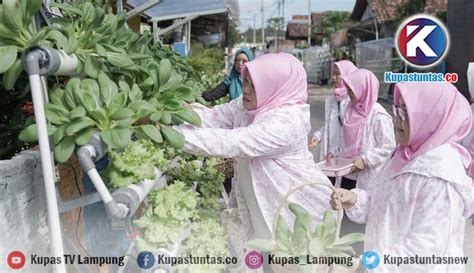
[347, 199]
[359, 165]
[329, 156]
[313, 143]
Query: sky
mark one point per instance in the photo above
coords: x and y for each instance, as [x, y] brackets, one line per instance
[292, 7]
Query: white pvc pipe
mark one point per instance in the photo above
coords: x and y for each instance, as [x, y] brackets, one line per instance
[68, 65]
[143, 188]
[54, 224]
[99, 185]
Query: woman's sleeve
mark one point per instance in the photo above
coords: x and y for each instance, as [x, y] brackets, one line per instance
[358, 213]
[219, 116]
[218, 92]
[437, 213]
[384, 141]
[266, 138]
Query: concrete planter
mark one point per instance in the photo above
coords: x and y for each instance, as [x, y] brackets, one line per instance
[23, 216]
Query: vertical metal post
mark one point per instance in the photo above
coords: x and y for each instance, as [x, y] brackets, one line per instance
[278, 25]
[309, 23]
[263, 24]
[254, 29]
[189, 36]
[376, 29]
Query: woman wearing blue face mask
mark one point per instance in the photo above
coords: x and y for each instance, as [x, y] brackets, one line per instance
[232, 83]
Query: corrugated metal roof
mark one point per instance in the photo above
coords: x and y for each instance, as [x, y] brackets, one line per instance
[170, 9]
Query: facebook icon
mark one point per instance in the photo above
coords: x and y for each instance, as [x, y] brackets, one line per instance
[145, 260]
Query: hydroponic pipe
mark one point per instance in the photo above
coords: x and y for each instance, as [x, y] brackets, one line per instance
[85, 155]
[134, 194]
[124, 201]
[32, 61]
[51, 61]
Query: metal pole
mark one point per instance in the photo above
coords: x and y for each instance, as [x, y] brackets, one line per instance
[254, 28]
[278, 26]
[142, 8]
[309, 23]
[283, 13]
[263, 24]
[189, 36]
[376, 29]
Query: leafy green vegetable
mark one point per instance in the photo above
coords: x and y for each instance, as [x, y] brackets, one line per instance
[167, 215]
[207, 238]
[191, 169]
[136, 163]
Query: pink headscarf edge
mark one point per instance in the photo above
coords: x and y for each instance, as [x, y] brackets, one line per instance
[401, 90]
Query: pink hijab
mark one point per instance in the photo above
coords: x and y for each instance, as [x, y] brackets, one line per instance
[365, 86]
[346, 68]
[437, 114]
[279, 79]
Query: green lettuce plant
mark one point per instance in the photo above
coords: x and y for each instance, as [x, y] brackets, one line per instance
[207, 237]
[136, 163]
[168, 214]
[191, 169]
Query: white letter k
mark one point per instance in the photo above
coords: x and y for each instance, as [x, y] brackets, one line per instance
[418, 41]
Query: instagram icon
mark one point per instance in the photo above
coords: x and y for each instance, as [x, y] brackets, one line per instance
[254, 259]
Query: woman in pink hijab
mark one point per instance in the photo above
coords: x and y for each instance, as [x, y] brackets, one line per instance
[418, 203]
[367, 131]
[330, 134]
[265, 131]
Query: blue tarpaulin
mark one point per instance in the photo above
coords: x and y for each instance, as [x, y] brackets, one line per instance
[170, 9]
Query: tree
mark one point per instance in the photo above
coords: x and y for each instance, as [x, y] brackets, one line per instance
[275, 23]
[233, 36]
[408, 9]
[331, 22]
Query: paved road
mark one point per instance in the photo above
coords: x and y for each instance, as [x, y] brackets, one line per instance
[316, 96]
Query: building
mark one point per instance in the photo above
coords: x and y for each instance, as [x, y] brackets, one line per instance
[374, 19]
[297, 29]
[178, 21]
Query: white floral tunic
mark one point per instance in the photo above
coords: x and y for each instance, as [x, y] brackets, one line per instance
[419, 211]
[275, 146]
